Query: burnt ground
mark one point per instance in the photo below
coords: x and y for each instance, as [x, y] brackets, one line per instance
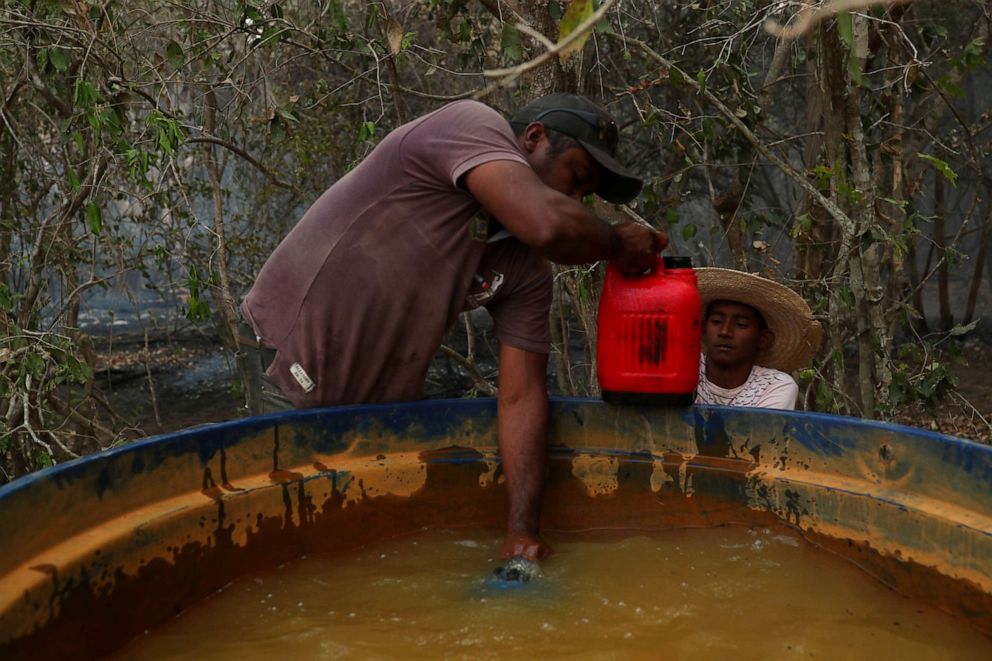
[968, 413]
[182, 383]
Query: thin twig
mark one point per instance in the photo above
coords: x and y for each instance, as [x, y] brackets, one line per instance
[480, 381]
[151, 382]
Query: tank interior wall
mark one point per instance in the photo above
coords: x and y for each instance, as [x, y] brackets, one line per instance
[178, 517]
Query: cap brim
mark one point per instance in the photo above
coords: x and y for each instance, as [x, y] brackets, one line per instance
[617, 184]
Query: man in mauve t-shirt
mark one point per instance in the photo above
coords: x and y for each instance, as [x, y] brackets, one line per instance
[456, 209]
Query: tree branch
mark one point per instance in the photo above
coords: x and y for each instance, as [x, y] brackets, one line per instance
[835, 211]
[810, 16]
[248, 157]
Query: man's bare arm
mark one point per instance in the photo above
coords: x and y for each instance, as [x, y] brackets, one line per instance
[522, 419]
[562, 228]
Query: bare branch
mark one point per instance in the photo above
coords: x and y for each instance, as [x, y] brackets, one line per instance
[810, 16]
[512, 73]
[787, 168]
[248, 157]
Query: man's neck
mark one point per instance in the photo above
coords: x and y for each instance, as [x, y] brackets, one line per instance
[727, 377]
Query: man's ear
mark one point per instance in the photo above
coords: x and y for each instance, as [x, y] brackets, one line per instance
[766, 339]
[533, 136]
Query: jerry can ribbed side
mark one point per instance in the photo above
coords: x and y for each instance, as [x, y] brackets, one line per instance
[649, 334]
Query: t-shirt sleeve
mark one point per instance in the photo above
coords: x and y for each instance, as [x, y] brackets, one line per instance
[459, 137]
[520, 311]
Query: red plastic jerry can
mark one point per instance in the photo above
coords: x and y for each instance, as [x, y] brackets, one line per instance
[649, 334]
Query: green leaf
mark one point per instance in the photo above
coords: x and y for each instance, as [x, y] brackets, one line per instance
[511, 43]
[86, 94]
[277, 129]
[688, 231]
[846, 296]
[73, 179]
[854, 69]
[251, 12]
[971, 57]
[175, 55]
[287, 116]
[113, 121]
[963, 330]
[6, 299]
[701, 81]
[845, 27]
[34, 365]
[950, 86]
[94, 218]
[941, 167]
[675, 77]
[95, 120]
[42, 59]
[198, 310]
[77, 370]
[366, 130]
[272, 34]
[59, 59]
[577, 13]
[168, 132]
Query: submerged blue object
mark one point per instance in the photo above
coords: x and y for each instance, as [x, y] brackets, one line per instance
[516, 573]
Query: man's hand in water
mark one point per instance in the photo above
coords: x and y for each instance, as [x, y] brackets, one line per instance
[526, 546]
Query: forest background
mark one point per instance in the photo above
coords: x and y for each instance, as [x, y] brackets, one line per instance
[154, 153]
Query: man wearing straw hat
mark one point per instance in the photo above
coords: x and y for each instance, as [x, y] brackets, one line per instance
[755, 332]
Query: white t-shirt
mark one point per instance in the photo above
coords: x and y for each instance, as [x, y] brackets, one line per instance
[765, 388]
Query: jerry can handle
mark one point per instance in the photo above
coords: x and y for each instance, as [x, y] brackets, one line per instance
[657, 267]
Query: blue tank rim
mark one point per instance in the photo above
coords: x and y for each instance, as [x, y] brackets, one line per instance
[487, 405]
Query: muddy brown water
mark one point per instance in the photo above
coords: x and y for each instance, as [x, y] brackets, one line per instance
[721, 593]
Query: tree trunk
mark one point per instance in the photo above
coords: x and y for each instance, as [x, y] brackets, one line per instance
[983, 251]
[940, 243]
[226, 304]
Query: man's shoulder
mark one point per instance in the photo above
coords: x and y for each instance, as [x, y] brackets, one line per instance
[458, 120]
[471, 106]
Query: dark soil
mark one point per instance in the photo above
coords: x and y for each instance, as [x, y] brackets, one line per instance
[172, 385]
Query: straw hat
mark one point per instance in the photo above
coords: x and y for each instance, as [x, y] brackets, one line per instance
[797, 334]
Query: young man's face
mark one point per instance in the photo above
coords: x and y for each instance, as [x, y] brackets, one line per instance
[734, 334]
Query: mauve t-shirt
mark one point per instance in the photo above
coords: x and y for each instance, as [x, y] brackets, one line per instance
[362, 290]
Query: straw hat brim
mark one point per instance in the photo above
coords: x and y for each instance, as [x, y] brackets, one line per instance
[797, 335]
